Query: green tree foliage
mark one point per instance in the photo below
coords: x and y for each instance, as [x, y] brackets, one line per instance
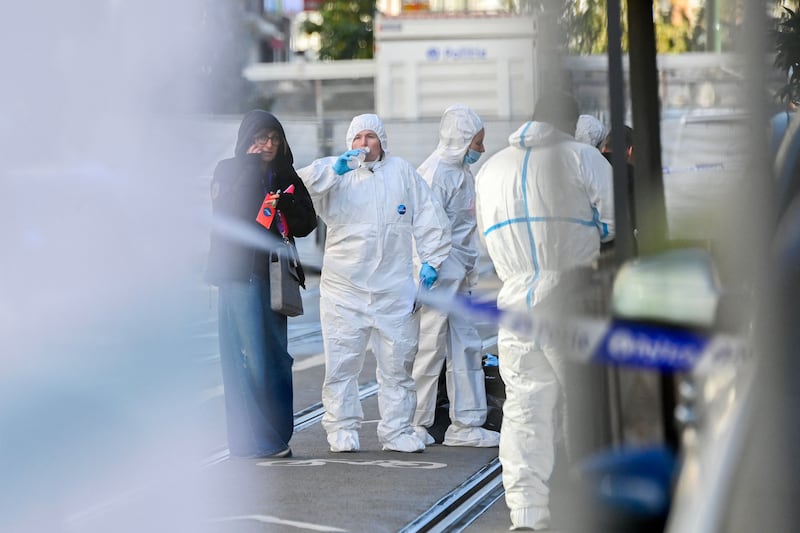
[673, 38]
[345, 31]
[585, 23]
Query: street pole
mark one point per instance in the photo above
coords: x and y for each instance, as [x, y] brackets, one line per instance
[624, 244]
[648, 194]
[646, 110]
[324, 147]
[713, 34]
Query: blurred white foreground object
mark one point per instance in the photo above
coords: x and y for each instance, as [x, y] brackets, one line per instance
[678, 287]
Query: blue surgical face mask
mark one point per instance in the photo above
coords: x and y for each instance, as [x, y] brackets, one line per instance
[472, 156]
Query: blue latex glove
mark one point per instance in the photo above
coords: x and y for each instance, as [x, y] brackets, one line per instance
[427, 275]
[340, 166]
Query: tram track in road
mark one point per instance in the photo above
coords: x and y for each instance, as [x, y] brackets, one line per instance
[302, 419]
[313, 413]
[455, 511]
[460, 507]
[452, 513]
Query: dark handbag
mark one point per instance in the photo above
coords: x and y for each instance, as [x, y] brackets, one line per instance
[284, 280]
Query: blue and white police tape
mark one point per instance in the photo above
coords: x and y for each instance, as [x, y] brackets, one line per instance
[612, 341]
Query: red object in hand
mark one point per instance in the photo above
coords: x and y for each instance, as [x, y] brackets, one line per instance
[267, 212]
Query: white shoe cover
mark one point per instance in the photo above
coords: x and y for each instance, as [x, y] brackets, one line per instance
[476, 437]
[407, 442]
[344, 440]
[536, 518]
[423, 435]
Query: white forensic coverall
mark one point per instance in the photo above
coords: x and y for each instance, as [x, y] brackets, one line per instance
[544, 204]
[453, 340]
[367, 287]
[590, 130]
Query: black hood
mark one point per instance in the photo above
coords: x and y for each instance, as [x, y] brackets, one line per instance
[259, 120]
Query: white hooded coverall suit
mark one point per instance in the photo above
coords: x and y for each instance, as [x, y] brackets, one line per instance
[367, 287]
[453, 340]
[589, 130]
[544, 204]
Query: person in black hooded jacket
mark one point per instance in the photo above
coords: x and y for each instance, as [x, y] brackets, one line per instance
[253, 339]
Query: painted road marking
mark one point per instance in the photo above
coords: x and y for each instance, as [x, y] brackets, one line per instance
[265, 519]
[383, 463]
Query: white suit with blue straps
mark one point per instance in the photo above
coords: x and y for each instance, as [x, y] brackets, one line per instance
[544, 204]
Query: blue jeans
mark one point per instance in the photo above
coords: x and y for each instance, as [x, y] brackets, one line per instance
[256, 370]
